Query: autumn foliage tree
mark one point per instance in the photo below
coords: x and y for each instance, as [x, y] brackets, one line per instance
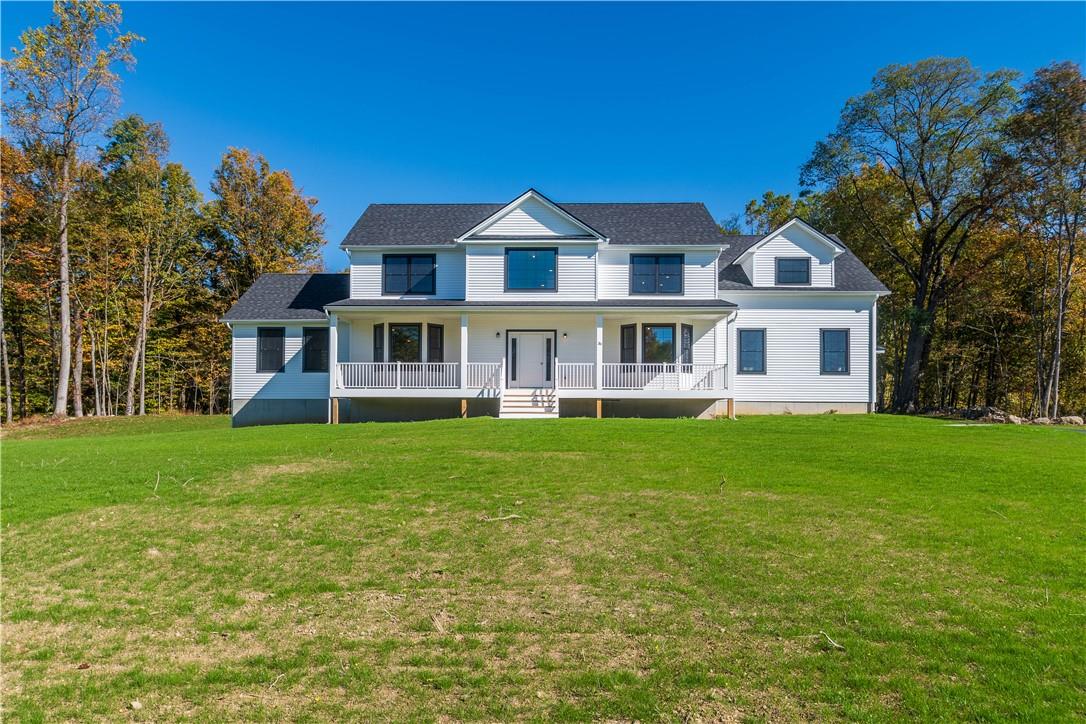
[63, 88]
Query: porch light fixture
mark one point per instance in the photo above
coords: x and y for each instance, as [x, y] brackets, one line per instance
[565, 335]
[497, 334]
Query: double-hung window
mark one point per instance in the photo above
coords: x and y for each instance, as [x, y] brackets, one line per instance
[834, 357]
[656, 274]
[794, 270]
[531, 270]
[751, 352]
[409, 273]
[269, 349]
[315, 349]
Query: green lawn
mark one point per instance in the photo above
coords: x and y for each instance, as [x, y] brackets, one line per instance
[554, 569]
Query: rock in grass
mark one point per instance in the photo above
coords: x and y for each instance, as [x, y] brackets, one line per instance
[1071, 420]
[135, 705]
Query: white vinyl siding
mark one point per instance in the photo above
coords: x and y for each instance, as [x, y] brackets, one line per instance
[793, 349]
[532, 219]
[367, 273]
[291, 383]
[797, 244]
[699, 273]
[486, 275]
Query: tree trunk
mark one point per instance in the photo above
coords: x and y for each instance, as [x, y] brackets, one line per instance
[141, 338]
[907, 390]
[143, 375]
[9, 410]
[94, 376]
[60, 406]
[77, 371]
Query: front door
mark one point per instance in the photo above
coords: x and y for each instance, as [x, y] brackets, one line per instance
[530, 359]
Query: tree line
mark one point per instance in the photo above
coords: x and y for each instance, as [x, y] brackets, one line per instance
[966, 194]
[114, 268]
[964, 191]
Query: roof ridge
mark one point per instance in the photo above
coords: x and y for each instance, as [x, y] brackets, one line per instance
[559, 203]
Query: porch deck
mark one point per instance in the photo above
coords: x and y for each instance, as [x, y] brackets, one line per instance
[572, 379]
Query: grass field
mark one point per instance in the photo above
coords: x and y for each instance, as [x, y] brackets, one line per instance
[862, 567]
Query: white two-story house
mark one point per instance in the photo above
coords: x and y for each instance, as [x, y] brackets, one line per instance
[539, 309]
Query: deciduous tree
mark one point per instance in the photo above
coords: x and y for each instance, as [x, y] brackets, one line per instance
[934, 126]
[63, 88]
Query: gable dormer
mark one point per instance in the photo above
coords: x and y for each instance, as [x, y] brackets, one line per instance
[794, 255]
[531, 216]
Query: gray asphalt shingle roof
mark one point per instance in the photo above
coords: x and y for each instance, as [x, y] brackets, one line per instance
[285, 297]
[440, 224]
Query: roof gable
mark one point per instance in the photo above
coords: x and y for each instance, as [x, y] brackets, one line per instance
[805, 231]
[531, 216]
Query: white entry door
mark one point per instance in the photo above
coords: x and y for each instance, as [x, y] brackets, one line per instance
[529, 365]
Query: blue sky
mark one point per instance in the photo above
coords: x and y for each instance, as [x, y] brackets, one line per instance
[586, 102]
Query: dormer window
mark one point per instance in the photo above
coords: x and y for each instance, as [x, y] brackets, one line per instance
[796, 270]
[409, 273]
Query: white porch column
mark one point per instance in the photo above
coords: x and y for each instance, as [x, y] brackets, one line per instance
[333, 354]
[599, 351]
[463, 350]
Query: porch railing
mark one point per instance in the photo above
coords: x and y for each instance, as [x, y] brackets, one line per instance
[568, 376]
[399, 375]
[483, 375]
[575, 375]
[649, 376]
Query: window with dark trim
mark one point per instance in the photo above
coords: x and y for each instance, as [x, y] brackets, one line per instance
[793, 270]
[269, 349]
[751, 350]
[435, 343]
[531, 270]
[314, 349]
[686, 346]
[379, 343]
[409, 273]
[656, 273]
[627, 353]
[658, 343]
[405, 342]
[834, 356]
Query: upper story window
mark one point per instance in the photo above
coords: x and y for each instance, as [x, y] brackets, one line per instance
[409, 273]
[656, 274]
[531, 270]
[794, 270]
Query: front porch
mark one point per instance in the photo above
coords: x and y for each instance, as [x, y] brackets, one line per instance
[502, 356]
[573, 379]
